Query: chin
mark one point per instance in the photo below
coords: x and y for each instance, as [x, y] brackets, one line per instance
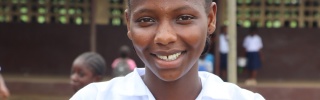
[75, 88]
[169, 77]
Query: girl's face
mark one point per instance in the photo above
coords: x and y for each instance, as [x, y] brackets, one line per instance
[81, 75]
[169, 35]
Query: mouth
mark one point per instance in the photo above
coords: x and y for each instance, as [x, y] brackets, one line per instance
[75, 86]
[170, 57]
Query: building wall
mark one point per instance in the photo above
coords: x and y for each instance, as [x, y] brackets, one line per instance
[31, 46]
[51, 49]
[275, 13]
[41, 49]
[289, 53]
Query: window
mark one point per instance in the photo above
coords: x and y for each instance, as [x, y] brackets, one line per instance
[278, 13]
[71, 11]
[247, 23]
[41, 19]
[116, 12]
[306, 24]
[2, 19]
[239, 2]
[79, 20]
[116, 21]
[63, 19]
[45, 11]
[257, 2]
[277, 24]
[248, 2]
[314, 24]
[269, 24]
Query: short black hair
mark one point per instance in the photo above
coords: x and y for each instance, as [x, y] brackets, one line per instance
[95, 61]
[207, 3]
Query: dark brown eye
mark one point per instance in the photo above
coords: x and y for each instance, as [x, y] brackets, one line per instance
[81, 74]
[185, 17]
[145, 19]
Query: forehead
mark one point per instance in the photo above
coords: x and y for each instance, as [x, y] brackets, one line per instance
[80, 63]
[165, 5]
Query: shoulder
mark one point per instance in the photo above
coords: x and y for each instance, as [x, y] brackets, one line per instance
[130, 60]
[239, 93]
[114, 89]
[215, 88]
[247, 37]
[116, 60]
[86, 93]
[257, 38]
[91, 91]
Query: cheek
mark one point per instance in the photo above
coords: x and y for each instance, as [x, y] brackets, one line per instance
[141, 38]
[194, 36]
[87, 80]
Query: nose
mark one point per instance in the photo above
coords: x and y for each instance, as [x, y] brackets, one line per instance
[74, 77]
[165, 34]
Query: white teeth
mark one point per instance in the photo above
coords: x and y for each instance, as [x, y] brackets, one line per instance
[170, 57]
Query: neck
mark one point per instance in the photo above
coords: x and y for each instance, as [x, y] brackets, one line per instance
[188, 87]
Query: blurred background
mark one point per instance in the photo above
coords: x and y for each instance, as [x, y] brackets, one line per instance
[39, 39]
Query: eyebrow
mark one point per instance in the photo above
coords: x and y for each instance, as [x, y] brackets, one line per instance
[141, 11]
[144, 10]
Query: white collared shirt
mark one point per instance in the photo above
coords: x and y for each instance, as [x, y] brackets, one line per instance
[131, 87]
[223, 43]
[252, 43]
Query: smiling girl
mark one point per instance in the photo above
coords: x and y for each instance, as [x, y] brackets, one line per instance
[168, 36]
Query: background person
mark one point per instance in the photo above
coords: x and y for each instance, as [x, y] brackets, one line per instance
[124, 64]
[253, 45]
[87, 68]
[224, 49]
[4, 92]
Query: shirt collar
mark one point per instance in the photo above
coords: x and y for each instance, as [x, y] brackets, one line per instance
[212, 86]
[133, 84]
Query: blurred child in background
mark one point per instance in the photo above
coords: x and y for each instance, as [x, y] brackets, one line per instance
[124, 64]
[224, 49]
[87, 68]
[253, 45]
[4, 92]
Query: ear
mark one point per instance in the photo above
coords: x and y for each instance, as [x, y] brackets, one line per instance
[212, 18]
[127, 16]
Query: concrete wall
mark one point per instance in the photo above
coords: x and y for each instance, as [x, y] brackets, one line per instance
[289, 53]
[51, 49]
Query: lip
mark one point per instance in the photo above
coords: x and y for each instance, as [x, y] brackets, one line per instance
[167, 52]
[75, 85]
[163, 64]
